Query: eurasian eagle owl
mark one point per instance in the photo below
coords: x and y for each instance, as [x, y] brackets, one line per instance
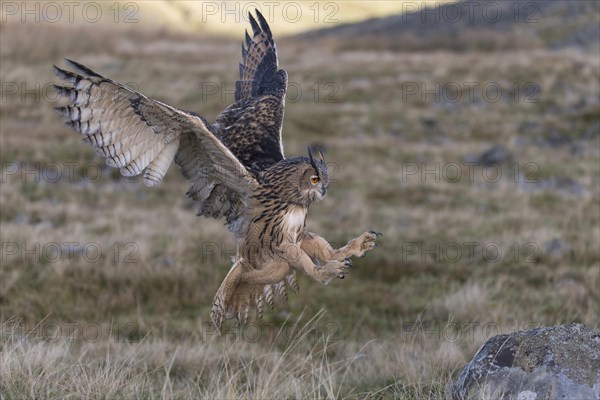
[235, 166]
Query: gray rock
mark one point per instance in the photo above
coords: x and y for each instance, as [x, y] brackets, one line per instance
[531, 127]
[554, 139]
[21, 219]
[497, 154]
[561, 184]
[561, 362]
[556, 247]
[429, 122]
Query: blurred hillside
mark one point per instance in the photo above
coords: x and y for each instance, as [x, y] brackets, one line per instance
[477, 25]
[223, 17]
[226, 18]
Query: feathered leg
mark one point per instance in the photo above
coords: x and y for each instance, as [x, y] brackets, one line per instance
[244, 288]
[318, 248]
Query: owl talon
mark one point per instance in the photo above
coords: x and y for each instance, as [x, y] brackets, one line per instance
[336, 269]
[360, 246]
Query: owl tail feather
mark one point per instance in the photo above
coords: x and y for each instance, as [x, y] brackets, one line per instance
[234, 299]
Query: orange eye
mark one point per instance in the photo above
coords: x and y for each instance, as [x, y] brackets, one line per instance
[314, 179]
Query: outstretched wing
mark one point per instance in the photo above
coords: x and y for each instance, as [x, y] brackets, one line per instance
[259, 72]
[251, 127]
[137, 134]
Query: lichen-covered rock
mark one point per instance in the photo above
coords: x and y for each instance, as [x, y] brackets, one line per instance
[561, 362]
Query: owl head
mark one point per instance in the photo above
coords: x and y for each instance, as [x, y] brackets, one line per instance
[314, 180]
[296, 180]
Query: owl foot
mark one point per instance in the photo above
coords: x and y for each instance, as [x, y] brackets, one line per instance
[358, 247]
[223, 306]
[335, 269]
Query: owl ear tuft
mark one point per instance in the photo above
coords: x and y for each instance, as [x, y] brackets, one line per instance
[312, 160]
[321, 154]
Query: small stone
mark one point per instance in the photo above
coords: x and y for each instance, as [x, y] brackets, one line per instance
[556, 247]
[497, 154]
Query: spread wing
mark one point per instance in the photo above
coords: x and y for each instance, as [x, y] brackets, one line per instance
[140, 135]
[251, 127]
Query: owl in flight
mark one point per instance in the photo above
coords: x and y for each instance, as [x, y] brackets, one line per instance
[236, 169]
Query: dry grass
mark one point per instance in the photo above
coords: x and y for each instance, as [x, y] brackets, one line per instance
[300, 362]
[404, 322]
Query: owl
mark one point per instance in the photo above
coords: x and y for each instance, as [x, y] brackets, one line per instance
[235, 166]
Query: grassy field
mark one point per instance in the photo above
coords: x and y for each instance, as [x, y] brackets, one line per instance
[106, 285]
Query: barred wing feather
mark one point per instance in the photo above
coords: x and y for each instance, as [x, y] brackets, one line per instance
[251, 127]
[141, 135]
